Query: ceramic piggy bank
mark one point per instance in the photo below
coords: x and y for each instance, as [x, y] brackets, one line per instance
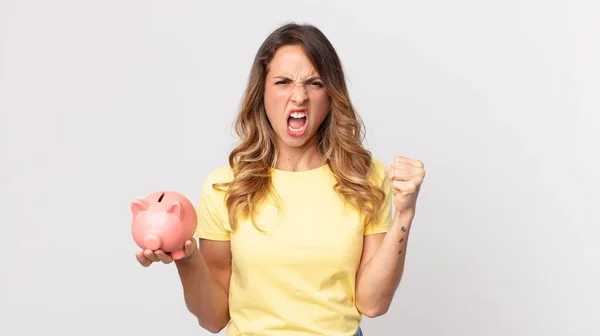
[163, 220]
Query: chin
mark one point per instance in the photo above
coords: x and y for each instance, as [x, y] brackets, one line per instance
[295, 141]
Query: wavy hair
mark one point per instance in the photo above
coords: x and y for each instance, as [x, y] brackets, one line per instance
[339, 137]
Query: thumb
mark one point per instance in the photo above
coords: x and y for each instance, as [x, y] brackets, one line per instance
[389, 171]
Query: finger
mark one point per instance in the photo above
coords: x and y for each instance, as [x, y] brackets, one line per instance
[410, 168]
[412, 162]
[414, 180]
[402, 175]
[389, 172]
[404, 186]
[188, 248]
[141, 258]
[151, 255]
[164, 257]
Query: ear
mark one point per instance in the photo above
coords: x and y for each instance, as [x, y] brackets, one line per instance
[138, 206]
[175, 209]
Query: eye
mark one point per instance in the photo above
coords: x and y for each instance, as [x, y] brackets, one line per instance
[316, 83]
[282, 81]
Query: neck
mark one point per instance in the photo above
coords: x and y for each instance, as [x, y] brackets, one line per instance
[299, 158]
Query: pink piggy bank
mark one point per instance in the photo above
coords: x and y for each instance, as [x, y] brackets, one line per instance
[163, 220]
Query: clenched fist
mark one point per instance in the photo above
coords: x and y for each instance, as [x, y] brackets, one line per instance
[406, 177]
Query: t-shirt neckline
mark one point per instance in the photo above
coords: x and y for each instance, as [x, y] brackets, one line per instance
[302, 173]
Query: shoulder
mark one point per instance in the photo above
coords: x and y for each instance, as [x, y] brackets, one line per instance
[212, 210]
[377, 174]
[377, 165]
[220, 174]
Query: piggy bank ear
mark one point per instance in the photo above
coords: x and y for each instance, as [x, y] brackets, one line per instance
[138, 205]
[175, 209]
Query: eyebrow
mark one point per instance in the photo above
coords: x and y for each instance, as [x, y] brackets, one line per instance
[305, 81]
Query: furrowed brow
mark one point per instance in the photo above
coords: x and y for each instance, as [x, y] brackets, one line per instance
[311, 79]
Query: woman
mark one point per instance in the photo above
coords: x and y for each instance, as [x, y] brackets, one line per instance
[296, 234]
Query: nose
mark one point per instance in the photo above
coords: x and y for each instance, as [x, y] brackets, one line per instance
[299, 94]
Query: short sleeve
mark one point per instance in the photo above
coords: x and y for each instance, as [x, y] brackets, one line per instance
[384, 221]
[212, 213]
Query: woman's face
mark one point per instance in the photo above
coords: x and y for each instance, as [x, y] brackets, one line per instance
[295, 99]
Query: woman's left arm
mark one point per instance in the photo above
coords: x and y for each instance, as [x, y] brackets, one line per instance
[383, 256]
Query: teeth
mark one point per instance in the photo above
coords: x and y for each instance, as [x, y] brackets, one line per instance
[298, 115]
[295, 130]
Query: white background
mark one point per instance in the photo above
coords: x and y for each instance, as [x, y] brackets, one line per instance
[102, 102]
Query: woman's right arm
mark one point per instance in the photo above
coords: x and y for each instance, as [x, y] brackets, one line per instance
[205, 273]
[205, 278]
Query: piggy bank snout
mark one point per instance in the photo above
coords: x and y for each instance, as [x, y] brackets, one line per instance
[152, 242]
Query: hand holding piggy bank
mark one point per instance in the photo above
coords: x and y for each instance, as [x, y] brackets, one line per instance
[163, 221]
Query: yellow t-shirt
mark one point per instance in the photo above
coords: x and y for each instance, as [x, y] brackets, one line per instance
[297, 276]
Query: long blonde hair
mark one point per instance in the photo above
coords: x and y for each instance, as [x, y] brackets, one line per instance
[339, 137]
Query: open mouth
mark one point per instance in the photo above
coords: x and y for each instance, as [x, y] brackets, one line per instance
[296, 123]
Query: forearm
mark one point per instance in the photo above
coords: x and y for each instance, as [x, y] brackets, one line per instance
[204, 297]
[378, 280]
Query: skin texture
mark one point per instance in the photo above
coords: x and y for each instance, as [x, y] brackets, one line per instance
[292, 82]
[382, 263]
